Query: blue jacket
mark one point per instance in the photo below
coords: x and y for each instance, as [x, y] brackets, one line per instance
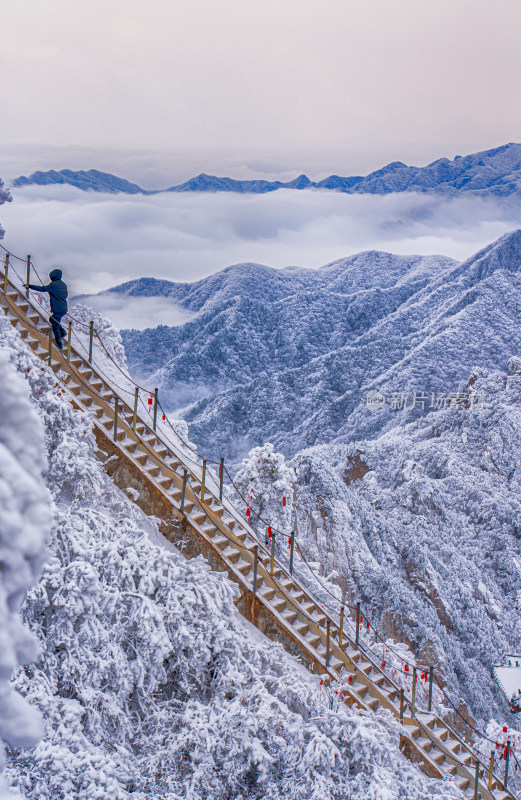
[57, 290]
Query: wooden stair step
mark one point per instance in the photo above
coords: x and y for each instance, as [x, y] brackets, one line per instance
[244, 566]
[231, 554]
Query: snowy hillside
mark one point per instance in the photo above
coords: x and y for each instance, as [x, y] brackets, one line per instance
[422, 524]
[149, 683]
[258, 327]
[495, 173]
[291, 356]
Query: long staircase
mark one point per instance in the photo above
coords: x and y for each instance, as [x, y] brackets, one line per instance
[276, 601]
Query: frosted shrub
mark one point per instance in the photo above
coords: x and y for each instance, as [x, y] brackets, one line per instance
[107, 331]
[265, 485]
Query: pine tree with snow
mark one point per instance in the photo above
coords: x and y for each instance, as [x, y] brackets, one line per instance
[265, 486]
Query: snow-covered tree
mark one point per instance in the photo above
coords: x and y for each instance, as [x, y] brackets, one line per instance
[265, 486]
[5, 197]
[24, 529]
[81, 316]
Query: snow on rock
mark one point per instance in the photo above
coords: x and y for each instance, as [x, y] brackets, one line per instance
[24, 529]
[148, 683]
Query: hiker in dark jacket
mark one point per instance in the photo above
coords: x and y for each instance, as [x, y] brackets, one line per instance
[58, 292]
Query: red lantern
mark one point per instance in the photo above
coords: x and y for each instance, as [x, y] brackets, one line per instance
[283, 502]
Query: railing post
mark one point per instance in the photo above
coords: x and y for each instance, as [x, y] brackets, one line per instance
[155, 410]
[291, 551]
[507, 763]
[328, 642]
[116, 405]
[402, 704]
[6, 271]
[357, 634]
[476, 781]
[69, 334]
[49, 357]
[431, 681]
[491, 769]
[203, 480]
[183, 491]
[28, 274]
[413, 691]
[136, 402]
[221, 479]
[341, 629]
[255, 566]
[91, 339]
[272, 560]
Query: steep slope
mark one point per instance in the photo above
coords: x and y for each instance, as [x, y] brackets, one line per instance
[148, 682]
[422, 524]
[494, 173]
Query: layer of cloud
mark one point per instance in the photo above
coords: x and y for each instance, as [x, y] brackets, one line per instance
[138, 312]
[102, 240]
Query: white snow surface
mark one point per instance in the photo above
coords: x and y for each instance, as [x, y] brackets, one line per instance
[148, 683]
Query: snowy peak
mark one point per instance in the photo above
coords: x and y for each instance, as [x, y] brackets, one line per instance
[503, 254]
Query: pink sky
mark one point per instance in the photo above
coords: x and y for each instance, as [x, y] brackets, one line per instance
[297, 85]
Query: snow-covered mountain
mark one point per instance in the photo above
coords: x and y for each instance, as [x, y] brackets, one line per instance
[495, 172]
[91, 180]
[290, 356]
[148, 682]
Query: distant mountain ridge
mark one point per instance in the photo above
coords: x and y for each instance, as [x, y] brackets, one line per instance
[495, 172]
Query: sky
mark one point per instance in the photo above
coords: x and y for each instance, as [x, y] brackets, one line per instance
[160, 91]
[278, 87]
